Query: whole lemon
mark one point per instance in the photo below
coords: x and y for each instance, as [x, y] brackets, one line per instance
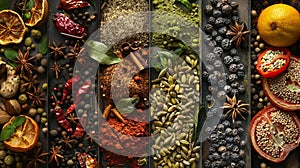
[279, 25]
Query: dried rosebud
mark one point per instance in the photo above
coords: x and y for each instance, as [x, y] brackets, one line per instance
[72, 4]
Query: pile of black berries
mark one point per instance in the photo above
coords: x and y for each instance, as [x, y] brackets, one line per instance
[224, 70]
[227, 146]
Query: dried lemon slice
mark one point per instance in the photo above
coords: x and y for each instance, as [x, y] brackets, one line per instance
[12, 28]
[25, 136]
[39, 13]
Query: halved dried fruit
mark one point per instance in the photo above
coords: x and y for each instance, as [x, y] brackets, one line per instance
[284, 90]
[38, 14]
[12, 28]
[25, 136]
[274, 133]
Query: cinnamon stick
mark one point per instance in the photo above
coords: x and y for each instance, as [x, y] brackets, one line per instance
[118, 115]
[136, 61]
[106, 111]
[142, 61]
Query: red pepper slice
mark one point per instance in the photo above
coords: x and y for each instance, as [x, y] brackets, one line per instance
[267, 69]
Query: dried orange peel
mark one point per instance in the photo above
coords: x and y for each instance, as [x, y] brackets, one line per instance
[39, 13]
[12, 27]
[25, 136]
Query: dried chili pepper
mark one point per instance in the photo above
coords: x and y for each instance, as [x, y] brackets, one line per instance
[72, 4]
[68, 27]
[79, 131]
[59, 115]
[86, 160]
[70, 109]
[68, 87]
[82, 90]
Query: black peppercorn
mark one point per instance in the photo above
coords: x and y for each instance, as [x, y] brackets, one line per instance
[228, 60]
[235, 12]
[218, 51]
[208, 9]
[219, 39]
[227, 89]
[234, 5]
[219, 5]
[240, 74]
[219, 22]
[222, 30]
[233, 68]
[213, 2]
[211, 20]
[214, 33]
[216, 13]
[208, 28]
[236, 59]
[221, 83]
[210, 68]
[226, 9]
[233, 52]
[235, 85]
[218, 64]
[226, 44]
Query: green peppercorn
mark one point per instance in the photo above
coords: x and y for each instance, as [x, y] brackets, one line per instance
[44, 114]
[41, 70]
[36, 34]
[9, 160]
[39, 143]
[45, 86]
[22, 99]
[28, 42]
[44, 62]
[43, 120]
[40, 110]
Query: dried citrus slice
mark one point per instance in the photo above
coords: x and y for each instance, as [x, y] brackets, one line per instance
[39, 13]
[25, 136]
[12, 28]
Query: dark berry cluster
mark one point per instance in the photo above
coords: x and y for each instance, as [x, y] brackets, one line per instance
[224, 70]
[227, 147]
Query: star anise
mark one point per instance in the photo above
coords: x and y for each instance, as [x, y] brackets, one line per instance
[67, 141]
[55, 154]
[74, 53]
[37, 97]
[57, 50]
[56, 68]
[235, 108]
[73, 118]
[237, 31]
[29, 81]
[23, 61]
[36, 158]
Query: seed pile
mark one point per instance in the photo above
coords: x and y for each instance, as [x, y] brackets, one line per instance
[178, 86]
[122, 21]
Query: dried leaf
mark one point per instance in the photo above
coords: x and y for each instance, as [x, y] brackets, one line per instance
[43, 45]
[18, 121]
[6, 132]
[99, 52]
[29, 4]
[127, 105]
[10, 54]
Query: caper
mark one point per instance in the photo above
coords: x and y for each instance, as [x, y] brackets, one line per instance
[28, 42]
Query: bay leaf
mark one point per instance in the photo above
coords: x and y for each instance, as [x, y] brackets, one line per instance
[18, 121]
[5, 4]
[6, 132]
[10, 54]
[127, 105]
[43, 45]
[99, 52]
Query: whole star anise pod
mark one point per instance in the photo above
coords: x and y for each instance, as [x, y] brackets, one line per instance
[74, 53]
[29, 81]
[57, 50]
[24, 63]
[56, 68]
[237, 31]
[55, 154]
[36, 158]
[37, 97]
[235, 108]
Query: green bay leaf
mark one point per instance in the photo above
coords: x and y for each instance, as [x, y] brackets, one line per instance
[10, 54]
[5, 4]
[100, 52]
[18, 121]
[29, 4]
[43, 45]
[6, 132]
[127, 105]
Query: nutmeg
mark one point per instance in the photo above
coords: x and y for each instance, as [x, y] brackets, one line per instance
[12, 107]
[4, 117]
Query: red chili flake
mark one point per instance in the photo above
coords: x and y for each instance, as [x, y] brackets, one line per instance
[72, 4]
[68, 87]
[68, 27]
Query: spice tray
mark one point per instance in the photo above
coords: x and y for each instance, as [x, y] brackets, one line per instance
[138, 83]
